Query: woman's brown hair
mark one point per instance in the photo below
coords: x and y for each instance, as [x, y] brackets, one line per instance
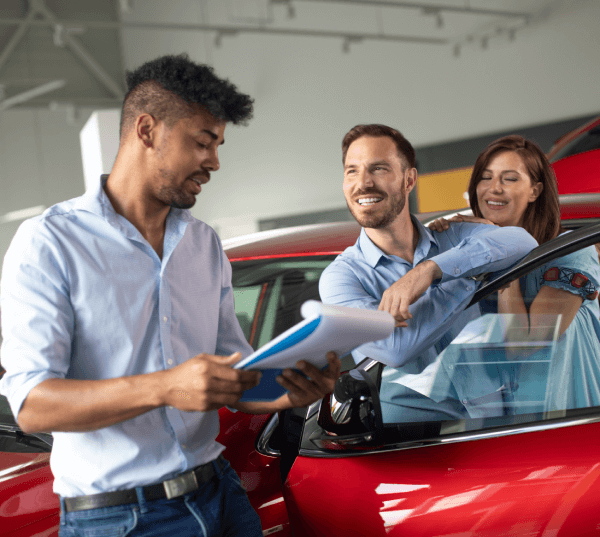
[542, 217]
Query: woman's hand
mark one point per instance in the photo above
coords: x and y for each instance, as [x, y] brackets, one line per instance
[442, 224]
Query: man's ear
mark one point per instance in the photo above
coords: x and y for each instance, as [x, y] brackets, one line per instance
[145, 129]
[411, 179]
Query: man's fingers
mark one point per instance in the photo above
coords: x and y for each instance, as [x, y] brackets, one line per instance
[232, 359]
[212, 365]
[335, 364]
[298, 384]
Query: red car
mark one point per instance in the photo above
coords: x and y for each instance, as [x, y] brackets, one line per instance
[575, 158]
[518, 474]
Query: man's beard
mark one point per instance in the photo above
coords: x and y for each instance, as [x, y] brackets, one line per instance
[382, 220]
[173, 196]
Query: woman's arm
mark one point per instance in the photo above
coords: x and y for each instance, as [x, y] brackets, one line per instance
[549, 301]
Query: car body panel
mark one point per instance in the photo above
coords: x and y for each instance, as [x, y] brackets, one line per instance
[27, 504]
[538, 483]
[259, 473]
[537, 478]
[578, 173]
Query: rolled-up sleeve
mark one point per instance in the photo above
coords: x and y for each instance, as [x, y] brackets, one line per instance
[482, 248]
[340, 284]
[37, 316]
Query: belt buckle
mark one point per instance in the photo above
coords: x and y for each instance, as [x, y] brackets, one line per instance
[180, 485]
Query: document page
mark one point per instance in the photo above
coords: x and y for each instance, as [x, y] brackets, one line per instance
[325, 328]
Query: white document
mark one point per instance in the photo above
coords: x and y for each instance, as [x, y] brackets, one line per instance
[325, 328]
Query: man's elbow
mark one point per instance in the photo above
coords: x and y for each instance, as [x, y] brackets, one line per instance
[28, 423]
[525, 240]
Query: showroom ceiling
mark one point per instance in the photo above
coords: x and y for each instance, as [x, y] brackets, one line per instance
[70, 53]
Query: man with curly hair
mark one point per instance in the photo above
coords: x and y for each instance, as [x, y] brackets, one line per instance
[120, 331]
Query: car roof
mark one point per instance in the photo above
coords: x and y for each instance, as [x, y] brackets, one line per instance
[571, 135]
[333, 238]
[315, 239]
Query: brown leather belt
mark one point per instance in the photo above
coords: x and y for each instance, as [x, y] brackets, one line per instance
[171, 488]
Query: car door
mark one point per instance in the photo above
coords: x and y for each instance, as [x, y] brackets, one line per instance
[518, 463]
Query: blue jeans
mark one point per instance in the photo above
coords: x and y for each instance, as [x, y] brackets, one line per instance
[218, 508]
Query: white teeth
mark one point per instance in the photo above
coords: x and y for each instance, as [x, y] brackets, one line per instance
[368, 201]
[496, 203]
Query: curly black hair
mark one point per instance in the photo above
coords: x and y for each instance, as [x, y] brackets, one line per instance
[169, 87]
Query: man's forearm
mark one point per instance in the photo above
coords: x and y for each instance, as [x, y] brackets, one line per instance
[88, 405]
[264, 407]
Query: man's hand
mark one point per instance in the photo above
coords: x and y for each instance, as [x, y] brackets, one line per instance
[304, 391]
[401, 294]
[208, 382]
[442, 224]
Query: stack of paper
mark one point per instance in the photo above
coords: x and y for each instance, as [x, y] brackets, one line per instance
[325, 328]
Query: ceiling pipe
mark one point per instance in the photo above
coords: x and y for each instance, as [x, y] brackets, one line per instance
[31, 94]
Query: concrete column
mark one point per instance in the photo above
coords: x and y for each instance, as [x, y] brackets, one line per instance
[99, 140]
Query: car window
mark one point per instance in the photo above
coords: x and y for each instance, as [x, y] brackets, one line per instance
[495, 368]
[588, 141]
[268, 293]
[500, 362]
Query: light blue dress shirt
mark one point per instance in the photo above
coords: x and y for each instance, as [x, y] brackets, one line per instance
[360, 275]
[85, 296]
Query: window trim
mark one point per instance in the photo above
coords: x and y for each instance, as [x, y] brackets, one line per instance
[562, 245]
[467, 436]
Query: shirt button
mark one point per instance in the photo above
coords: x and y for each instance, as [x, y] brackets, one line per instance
[171, 408]
[183, 446]
[464, 401]
[456, 271]
[489, 257]
[169, 361]
[165, 318]
[468, 287]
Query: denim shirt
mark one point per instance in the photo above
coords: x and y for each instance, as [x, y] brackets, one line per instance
[85, 296]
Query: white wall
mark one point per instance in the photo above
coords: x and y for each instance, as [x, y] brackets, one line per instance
[40, 161]
[309, 93]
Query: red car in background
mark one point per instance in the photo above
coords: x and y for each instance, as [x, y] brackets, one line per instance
[575, 158]
[345, 470]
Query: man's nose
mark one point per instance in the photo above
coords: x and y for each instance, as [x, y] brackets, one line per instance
[211, 162]
[365, 179]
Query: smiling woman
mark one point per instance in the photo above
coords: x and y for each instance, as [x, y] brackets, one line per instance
[524, 189]
[513, 184]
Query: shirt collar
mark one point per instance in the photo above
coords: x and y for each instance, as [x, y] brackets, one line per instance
[373, 254]
[96, 201]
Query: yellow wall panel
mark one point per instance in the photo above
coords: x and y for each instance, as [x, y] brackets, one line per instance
[443, 190]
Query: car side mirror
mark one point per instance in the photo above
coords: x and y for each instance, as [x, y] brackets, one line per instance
[352, 413]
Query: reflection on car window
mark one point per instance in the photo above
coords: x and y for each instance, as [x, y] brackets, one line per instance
[499, 368]
[246, 301]
[269, 292]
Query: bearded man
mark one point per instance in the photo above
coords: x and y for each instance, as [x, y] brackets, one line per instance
[424, 279]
